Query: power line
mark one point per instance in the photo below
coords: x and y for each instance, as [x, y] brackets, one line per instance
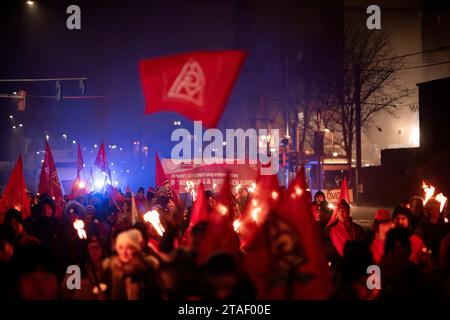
[415, 53]
[424, 66]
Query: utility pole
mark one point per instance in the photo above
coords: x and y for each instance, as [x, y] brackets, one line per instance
[358, 133]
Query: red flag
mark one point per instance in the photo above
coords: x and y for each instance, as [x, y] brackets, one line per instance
[263, 199]
[219, 234]
[160, 174]
[195, 84]
[114, 195]
[199, 213]
[286, 259]
[15, 194]
[80, 161]
[78, 188]
[49, 181]
[343, 195]
[101, 162]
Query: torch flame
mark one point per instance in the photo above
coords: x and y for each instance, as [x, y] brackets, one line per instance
[274, 195]
[255, 214]
[429, 191]
[298, 191]
[442, 200]
[152, 217]
[81, 185]
[222, 209]
[79, 226]
[236, 225]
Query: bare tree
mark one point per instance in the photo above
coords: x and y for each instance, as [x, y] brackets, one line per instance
[370, 53]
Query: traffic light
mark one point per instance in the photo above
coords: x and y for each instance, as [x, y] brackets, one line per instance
[21, 101]
[58, 91]
[82, 87]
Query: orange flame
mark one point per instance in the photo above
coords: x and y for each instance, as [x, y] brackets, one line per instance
[152, 217]
[429, 192]
[442, 200]
[79, 226]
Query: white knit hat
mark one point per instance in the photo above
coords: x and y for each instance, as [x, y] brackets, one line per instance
[132, 237]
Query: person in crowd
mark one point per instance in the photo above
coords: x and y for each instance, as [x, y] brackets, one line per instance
[243, 196]
[344, 229]
[320, 200]
[352, 273]
[381, 225]
[15, 230]
[210, 200]
[91, 287]
[141, 201]
[400, 277]
[433, 229]
[6, 266]
[130, 275]
[401, 218]
[53, 233]
[417, 212]
[225, 281]
[36, 274]
[320, 216]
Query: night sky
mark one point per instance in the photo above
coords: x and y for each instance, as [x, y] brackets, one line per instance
[114, 35]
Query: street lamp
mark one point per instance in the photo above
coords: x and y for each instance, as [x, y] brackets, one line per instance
[30, 3]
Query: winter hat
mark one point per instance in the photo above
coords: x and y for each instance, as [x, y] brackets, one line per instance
[131, 237]
[401, 211]
[382, 215]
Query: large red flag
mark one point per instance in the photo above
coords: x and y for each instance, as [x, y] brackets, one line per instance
[15, 194]
[220, 236]
[195, 84]
[49, 181]
[343, 195]
[286, 259]
[80, 161]
[160, 176]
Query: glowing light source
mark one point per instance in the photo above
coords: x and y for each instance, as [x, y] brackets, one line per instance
[64, 136]
[95, 145]
[275, 195]
[252, 188]
[298, 191]
[79, 226]
[81, 184]
[442, 200]
[335, 154]
[20, 125]
[30, 3]
[236, 225]
[238, 187]
[11, 117]
[152, 217]
[99, 183]
[47, 136]
[13, 127]
[222, 209]
[331, 206]
[255, 214]
[74, 141]
[429, 191]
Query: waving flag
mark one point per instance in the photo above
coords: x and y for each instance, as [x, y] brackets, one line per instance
[102, 163]
[195, 84]
[15, 194]
[343, 195]
[49, 182]
[286, 259]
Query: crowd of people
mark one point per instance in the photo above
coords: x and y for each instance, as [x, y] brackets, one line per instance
[122, 260]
